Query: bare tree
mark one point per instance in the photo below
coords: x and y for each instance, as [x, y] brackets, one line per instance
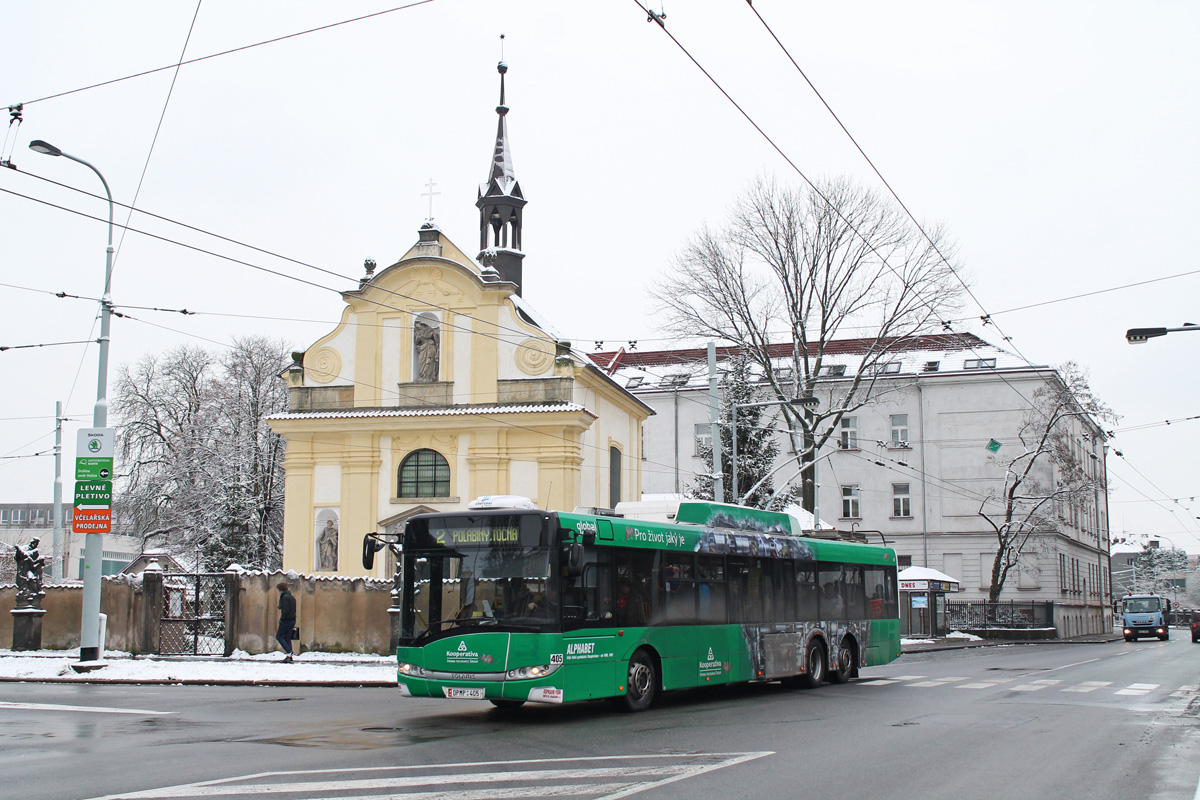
[1049, 475]
[199, 470]
[795, 270]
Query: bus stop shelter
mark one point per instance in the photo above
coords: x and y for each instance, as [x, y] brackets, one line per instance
[923, 601]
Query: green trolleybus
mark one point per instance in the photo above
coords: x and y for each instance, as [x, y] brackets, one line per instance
[522, 605]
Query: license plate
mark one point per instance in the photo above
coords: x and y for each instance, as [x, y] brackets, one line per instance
[464, 692]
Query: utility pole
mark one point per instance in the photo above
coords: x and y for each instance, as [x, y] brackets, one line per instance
[56, 566]
[714, 408]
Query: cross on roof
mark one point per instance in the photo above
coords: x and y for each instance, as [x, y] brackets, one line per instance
[430, 194]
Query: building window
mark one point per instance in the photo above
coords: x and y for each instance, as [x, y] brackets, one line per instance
[901, 502]
[903, 562]
[889, 368]
[703, 437]
[784, 374]
[832, 371]
[931, 366]
[675, 381]
[635, 381]
[848, 433]
[979, 363]
[424, 473]
[614, 476]
[850, 502]
[899, 430]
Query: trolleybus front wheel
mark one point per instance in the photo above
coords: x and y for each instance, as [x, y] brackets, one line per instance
[641, 684]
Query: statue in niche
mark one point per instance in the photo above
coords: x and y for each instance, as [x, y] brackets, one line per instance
[30, 566]
[426, 348]
[327, 547]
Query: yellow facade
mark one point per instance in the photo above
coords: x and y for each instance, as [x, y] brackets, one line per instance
[499, 406]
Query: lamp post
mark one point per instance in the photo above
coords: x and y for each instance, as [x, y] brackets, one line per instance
[89, 638]
[1141, 335]
[807, 402]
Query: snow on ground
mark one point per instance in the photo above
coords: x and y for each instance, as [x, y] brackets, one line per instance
[241, 667]
[970, 637]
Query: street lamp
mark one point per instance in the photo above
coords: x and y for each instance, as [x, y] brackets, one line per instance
[89, 638]
[1141, 335]
[807, 402]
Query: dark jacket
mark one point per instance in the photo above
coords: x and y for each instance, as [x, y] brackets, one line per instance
[287, 607]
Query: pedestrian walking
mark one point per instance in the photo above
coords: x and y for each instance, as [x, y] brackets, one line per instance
[287, 620]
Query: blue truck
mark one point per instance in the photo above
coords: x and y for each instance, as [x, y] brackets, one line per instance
[1145, 615]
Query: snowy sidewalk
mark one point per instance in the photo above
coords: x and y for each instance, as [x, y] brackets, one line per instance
[240, 669]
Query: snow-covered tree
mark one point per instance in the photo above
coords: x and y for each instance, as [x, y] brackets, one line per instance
[806, 268]
[1045, 472]
[757, 447]
[199, 471]
[1156, 568]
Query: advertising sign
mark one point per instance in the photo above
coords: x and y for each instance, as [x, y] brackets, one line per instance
[92, 510]
[94, 454]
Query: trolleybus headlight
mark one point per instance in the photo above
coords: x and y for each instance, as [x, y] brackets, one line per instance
[528, 672]
[411, 669]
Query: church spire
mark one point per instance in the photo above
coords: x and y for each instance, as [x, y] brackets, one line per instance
[500, 202]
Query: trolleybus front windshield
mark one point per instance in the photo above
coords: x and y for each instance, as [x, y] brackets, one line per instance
[478, 572]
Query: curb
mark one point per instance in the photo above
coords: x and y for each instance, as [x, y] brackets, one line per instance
[952, 645]
[215, 682]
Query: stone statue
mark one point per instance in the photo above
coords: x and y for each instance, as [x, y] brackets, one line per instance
[426, 348]
[327, 547]
[30, 565]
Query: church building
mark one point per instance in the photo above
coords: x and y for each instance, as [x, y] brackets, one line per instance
[441, 385]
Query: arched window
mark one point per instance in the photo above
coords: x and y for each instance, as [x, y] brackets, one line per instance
[423, 473]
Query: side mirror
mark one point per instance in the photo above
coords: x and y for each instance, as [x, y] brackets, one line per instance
[574, 559]
[371, 546]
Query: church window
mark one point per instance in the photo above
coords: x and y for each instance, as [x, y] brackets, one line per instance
[614, 476]
[424, 473]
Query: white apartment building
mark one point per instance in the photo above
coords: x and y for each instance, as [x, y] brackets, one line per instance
[21, 522]
[914, 464]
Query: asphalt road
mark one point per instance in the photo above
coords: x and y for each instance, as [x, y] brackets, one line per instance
[1117, 720]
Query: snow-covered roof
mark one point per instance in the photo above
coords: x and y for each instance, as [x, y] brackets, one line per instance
[455, 411]
[924, 574]
[687, 368]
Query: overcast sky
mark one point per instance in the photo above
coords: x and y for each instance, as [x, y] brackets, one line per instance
[1056, 142]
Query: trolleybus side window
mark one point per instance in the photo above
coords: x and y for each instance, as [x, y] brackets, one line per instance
[710, 589]
[807, 592]
[881, 592]
[631, 605]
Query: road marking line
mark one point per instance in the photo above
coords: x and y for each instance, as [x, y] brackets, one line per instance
[928, 683]
[1029, 687]
[1136, 692]
[975, 686]
[1097, 684]
[91, 709]
[908, 677]
[1076, 664]
[1147, 686]
[594, 779]
[877, 682]
[1080, 688]
[1048, 681]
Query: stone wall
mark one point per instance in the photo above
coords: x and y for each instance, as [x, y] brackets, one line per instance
[334, 614]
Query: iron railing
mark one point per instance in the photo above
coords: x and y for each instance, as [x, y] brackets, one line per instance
[967, 615]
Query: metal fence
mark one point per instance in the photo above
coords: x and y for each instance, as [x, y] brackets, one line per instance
[193, 616]
[965, 615]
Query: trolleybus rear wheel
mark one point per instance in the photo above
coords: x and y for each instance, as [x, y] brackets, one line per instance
[814, 661]
[843, 671]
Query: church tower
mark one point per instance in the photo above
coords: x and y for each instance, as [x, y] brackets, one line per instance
[500, 205]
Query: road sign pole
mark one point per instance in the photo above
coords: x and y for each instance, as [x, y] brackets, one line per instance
[92, 516]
